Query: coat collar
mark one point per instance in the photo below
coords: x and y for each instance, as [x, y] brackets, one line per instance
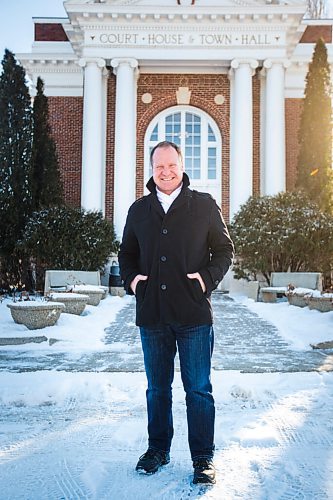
[180, 200]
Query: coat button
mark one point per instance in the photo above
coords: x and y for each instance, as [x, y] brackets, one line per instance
[163, 287]
[163, 258]
[164, 231]
[216, 282]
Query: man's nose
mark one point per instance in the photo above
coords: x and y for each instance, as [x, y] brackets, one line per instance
[166, 170]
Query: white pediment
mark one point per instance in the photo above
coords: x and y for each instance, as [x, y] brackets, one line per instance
[184, 3]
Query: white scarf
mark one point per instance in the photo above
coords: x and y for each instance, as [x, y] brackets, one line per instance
[166, 200]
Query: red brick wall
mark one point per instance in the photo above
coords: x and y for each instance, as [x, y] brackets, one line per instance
[66, 124]
[110, 130]
[203, 89]
[313, 33]
[256, 134]
[50, 32]
[293, 110]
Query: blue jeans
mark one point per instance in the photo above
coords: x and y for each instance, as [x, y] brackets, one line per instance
[195, 346]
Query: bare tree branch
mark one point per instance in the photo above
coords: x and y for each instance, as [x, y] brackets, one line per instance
[316, 9]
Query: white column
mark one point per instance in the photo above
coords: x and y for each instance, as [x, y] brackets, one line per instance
[274, 168]
[92, 140]
[241, 155]
[125, 140]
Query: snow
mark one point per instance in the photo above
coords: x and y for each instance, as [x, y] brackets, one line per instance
[73, 333]
[66, 295]
[79, 434]
[31, 304]
[299, 326]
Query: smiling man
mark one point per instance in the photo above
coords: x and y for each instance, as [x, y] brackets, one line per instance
[175, 251]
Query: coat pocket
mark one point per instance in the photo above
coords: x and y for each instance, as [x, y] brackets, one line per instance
[197, 290]
[140, 290]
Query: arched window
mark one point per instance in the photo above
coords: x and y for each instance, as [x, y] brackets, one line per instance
[200, 141]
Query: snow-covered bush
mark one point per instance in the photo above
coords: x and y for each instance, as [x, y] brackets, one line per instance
[286, 232]
[68, 238]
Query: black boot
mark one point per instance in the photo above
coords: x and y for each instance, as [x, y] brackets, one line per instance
[152, 460]
[204, 471]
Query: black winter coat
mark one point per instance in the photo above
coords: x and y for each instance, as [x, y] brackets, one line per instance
[190, 237]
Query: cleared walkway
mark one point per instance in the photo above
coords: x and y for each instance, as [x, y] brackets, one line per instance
[243, 342]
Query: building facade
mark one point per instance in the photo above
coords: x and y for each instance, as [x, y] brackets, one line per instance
[224, 79]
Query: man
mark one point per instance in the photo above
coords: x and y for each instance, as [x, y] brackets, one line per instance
[175, 251]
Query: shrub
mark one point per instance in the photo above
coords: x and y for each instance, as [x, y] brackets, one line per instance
[286, 232]
[68, 238]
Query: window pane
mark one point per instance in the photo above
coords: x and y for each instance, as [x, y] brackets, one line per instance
[211, 163]
[192, 149]
[154, 134]
[172, 128]
[211, 135]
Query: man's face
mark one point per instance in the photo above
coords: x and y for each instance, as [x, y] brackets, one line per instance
[167, 169]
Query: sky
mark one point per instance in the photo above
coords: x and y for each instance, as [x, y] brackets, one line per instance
[16, 26]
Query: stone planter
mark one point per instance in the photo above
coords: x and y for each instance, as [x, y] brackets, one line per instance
[105, 291]
[117, 291]
[299, 296]
[35, 315]
[297, 300]
[322, 303]
[94, 292]
[75, 303]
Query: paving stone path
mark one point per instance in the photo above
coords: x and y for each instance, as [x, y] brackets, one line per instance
[243, 342]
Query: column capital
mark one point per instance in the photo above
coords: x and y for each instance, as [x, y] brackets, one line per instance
[118, 61]
[236, 63]
[269, 63]
[84, 61]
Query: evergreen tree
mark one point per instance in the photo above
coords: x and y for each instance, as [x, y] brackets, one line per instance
[47, 188]
[63, 237]
[285, 232]
[314, 169]
[15, 157]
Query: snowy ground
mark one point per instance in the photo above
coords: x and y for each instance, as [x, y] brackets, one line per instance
[78, 435]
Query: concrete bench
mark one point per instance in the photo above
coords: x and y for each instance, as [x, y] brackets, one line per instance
[59, 281]
[281, 281]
